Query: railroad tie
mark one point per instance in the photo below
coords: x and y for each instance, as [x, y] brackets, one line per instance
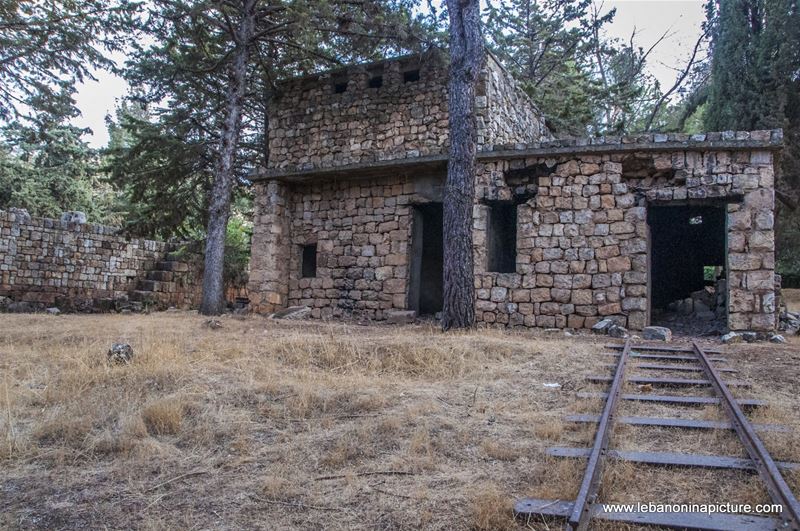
[586, 506]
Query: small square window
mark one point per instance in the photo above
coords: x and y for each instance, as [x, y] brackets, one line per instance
[339, 84]
[410, 76]
[376, 82]
[308, 265]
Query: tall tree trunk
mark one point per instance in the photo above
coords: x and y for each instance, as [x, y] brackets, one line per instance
[213, 302]
[466, 59]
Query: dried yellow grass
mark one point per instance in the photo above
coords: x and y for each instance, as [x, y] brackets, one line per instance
[234, 427]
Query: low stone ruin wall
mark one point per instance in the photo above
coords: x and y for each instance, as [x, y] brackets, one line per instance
[87, 267]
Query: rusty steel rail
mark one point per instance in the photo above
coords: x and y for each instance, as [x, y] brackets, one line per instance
[767, 469]
[586, 507]
[587, 495]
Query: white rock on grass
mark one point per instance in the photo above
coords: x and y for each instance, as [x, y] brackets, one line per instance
[731, 337]
[602, 326]
[293, 312]
[120, 353]
[401, 317]
[619, 332]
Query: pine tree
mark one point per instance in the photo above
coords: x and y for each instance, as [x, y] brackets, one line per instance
[755, 84]
[208, 78]
[467, 55]
[47, 47]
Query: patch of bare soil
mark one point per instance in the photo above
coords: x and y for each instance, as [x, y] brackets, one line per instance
[265, 424]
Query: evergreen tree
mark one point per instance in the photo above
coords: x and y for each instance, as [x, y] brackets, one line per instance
[582, 82]
[47, 47]
[48, 170]
[755, 84]
[207, 80]
[547, 45]
[467, 54]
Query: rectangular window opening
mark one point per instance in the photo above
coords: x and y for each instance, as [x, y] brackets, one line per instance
[339, 86]
[376, 82]
[502, 238]
[308, 261]
[410, 76]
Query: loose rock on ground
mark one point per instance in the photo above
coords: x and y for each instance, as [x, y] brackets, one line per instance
[120, 353]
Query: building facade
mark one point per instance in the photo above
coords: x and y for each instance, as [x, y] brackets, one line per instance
[348, 215]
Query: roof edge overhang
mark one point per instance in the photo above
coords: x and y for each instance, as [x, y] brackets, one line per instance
[769, 140]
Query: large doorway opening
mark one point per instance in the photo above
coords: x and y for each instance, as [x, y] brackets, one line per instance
[688, 289]
[427, 260]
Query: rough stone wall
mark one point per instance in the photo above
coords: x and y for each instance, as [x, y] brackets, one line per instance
[582, 239]
[361, 229]
[313, 126]
[582, 233]
[270, 249]
[510, 117]
[80, 266]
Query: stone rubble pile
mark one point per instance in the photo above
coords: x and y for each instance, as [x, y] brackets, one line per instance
[701, 313]
[706, 304]
[789, 323]
[751, 337]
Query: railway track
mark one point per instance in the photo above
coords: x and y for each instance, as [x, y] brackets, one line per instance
[587, 507]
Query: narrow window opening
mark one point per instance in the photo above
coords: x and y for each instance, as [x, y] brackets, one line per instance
[309, 261]
[502, 238]
[376, 82]
[339, 86]
[410, 76]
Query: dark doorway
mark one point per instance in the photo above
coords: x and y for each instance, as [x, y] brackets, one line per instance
[687, 262]
[427, 259]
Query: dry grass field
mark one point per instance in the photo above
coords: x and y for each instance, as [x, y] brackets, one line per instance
[265, 424]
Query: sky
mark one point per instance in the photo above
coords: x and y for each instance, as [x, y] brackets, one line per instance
[649, 18]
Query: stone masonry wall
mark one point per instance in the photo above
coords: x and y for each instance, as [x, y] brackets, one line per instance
[313, 126]
[361, 230]
[582, 232]
[510, 116]
[582, 240]
[270, 248]
[47, 262]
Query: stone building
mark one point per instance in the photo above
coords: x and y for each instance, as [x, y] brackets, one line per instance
[349, 219]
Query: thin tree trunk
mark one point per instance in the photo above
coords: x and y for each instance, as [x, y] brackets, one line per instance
[213, 302]
[466, 58]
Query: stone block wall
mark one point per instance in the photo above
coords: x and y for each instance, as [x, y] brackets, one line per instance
[361, 229]
[582, 231]
[582, 239]
[314, 126]
[270, 248]
[510, 116]
[85, 266]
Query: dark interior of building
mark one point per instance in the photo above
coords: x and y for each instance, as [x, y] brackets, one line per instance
[687, 253]
[425, 293]
[501, 238]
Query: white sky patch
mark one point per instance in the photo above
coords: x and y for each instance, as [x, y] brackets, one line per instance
[650, 18]
[96, 99]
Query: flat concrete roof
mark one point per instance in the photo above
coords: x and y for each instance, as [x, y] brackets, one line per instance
[652, 142]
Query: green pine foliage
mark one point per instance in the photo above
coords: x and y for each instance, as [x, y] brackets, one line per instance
[46, 47]
[755, 84]
[48, 171]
